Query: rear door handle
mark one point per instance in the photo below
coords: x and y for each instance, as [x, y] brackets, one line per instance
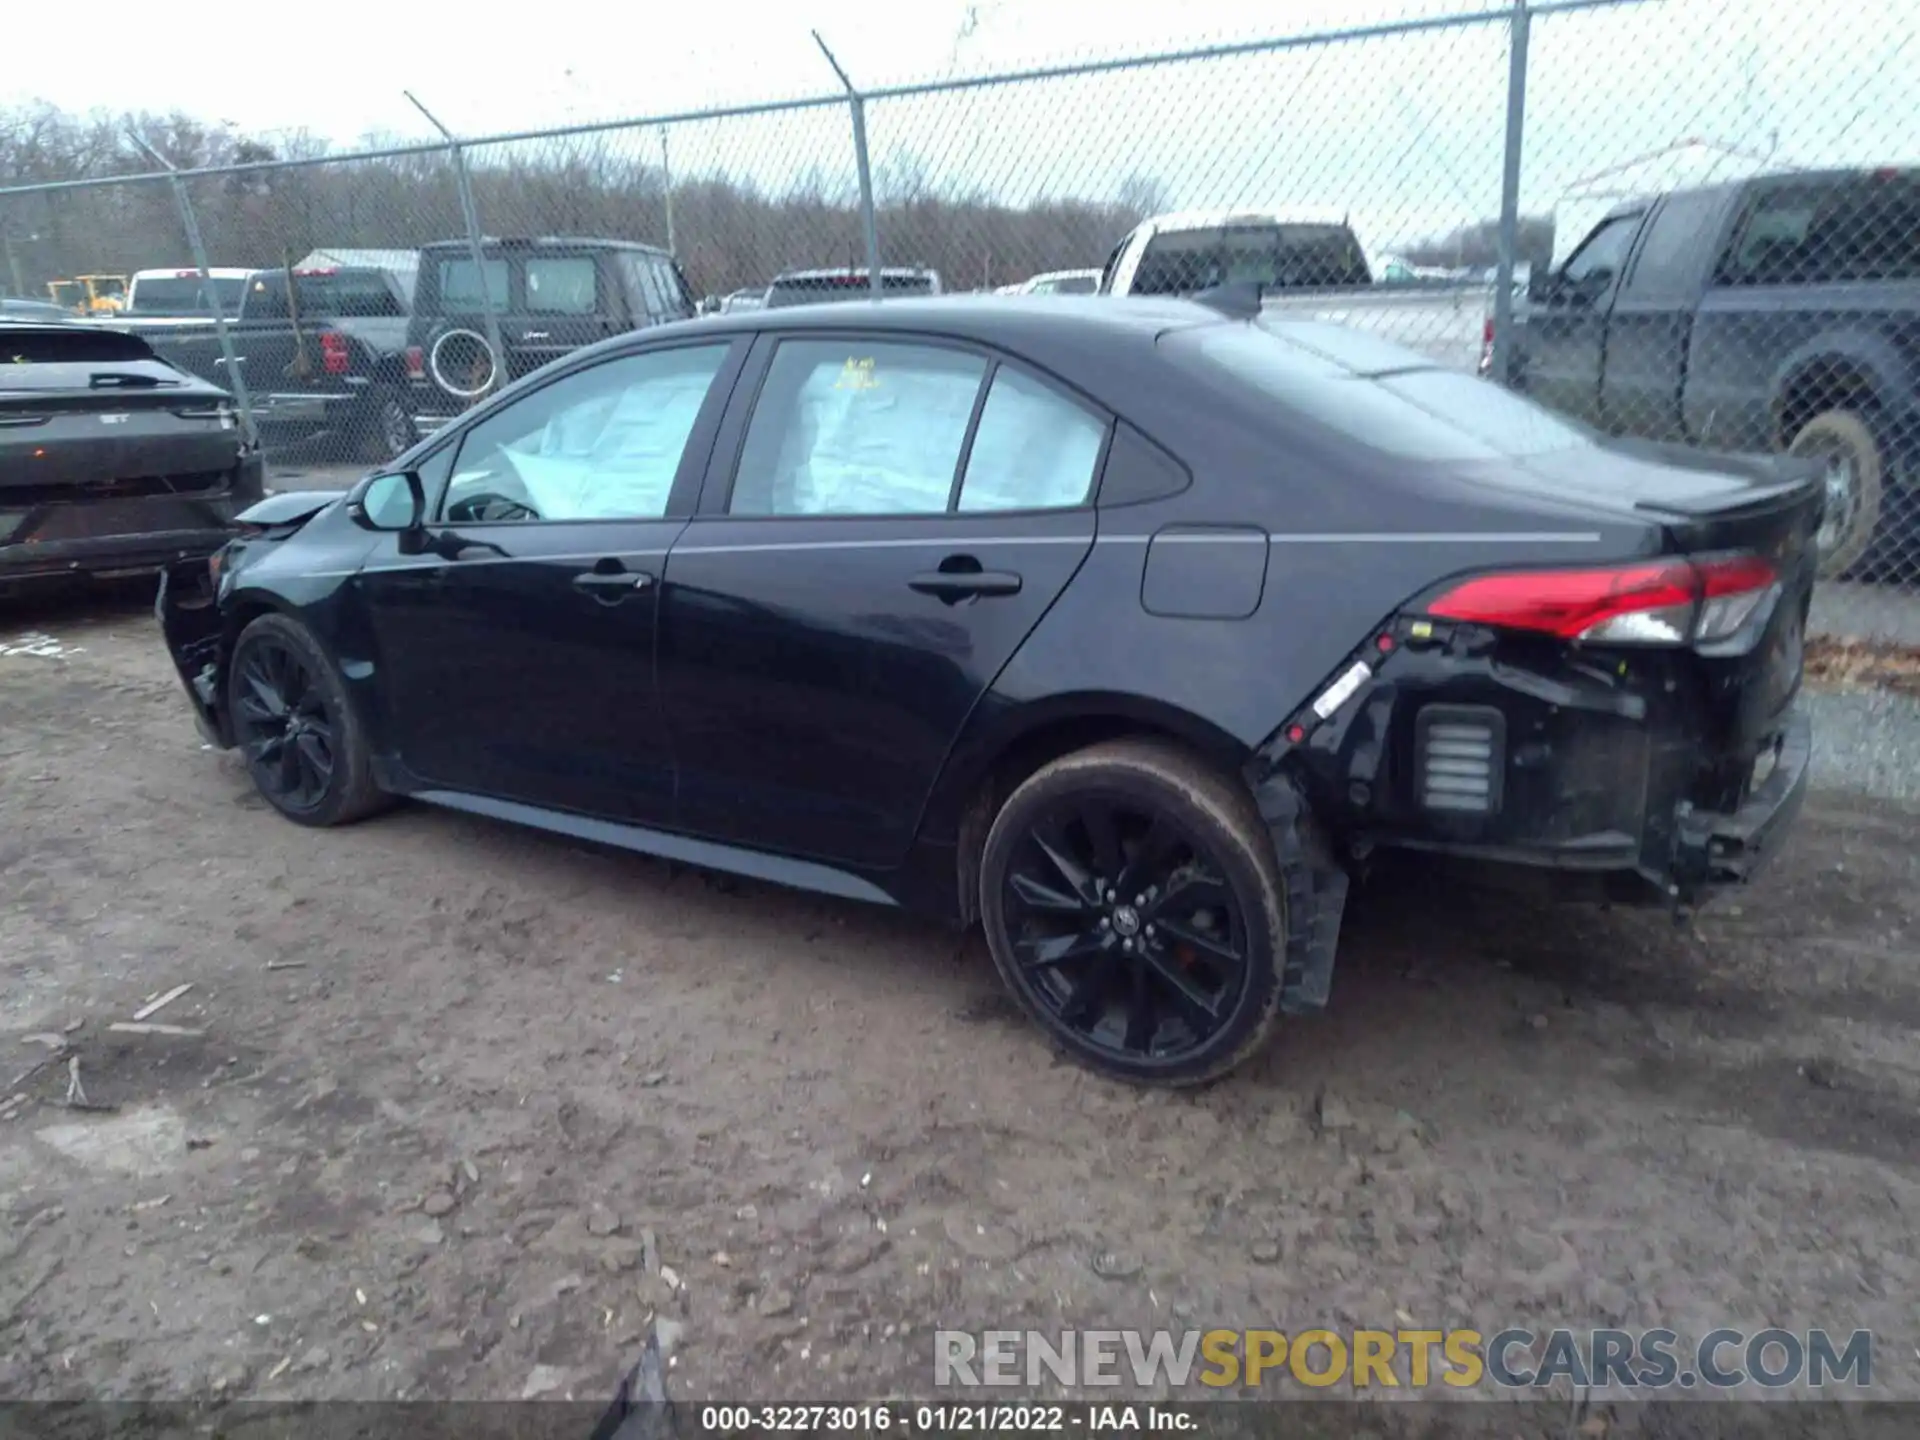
[954, 586]
[610, 587]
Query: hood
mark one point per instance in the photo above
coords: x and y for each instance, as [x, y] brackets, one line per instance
[288, 508]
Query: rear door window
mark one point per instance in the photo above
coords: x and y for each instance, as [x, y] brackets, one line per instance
[1034, 448]
[1818, 233]
[857, 427]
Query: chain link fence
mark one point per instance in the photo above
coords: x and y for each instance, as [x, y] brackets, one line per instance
[1681, 221]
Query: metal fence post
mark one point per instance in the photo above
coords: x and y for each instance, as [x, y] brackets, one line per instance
[857, 104]
[666, 180]
[229, 361]
[1510, 191]
[470, 217]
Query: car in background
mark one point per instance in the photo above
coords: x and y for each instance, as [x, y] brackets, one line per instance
[1060, 282]
[1194, 251]
[182, 294]
[323, 350]
[1127, 629]
[548, 297]
[112, 461]
[1775, 313]
[89, 294]
[740, 300]
[813, 287]
[12, 307]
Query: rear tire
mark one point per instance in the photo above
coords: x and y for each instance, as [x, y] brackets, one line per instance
[295, 727]
[383, 425]
[1855, 485]
[1134, 907]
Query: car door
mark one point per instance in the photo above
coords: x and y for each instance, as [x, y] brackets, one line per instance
[881, 532]
[1652, 317]
[517, 630]
[1567, 331]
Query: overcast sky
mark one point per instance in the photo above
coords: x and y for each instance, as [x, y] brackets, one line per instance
[1404, 133]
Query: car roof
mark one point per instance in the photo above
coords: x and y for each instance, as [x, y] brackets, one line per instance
[529, 242]
[192, 272]
[1012, 320]
[1216, 219]
[836, 271]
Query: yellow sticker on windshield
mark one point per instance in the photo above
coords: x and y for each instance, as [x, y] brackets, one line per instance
[857, 375]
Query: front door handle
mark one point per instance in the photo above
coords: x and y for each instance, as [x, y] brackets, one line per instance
[610, 587]
[953, 586]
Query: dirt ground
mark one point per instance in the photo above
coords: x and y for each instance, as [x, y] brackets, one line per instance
[454, 1090]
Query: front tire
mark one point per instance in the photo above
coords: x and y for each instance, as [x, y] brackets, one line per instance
[1134, 907]
[1856, 481]
[294, 726]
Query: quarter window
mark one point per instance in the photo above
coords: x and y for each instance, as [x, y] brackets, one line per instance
[857, 427]
[1034, 449]
[601, 444]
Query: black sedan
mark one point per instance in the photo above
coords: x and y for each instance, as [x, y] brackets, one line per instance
[1128, 628]
[112, 462]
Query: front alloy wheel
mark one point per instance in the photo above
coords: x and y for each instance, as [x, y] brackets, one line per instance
[290, 718]
[1134, 910]
[284, 729]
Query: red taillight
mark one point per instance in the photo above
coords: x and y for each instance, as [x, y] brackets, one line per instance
[1659, 602]
[416, 363]
[335, 358]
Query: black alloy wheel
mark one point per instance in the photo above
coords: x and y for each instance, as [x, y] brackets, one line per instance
[291, 720]
[281, 720]
[1135, 911]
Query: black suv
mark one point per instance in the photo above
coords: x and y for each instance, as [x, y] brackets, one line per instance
[550, 296]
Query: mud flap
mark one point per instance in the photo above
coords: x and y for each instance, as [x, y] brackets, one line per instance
[1316, 894]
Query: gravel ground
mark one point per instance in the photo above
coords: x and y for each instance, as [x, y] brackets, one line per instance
[1867, 741]
[454, 1099]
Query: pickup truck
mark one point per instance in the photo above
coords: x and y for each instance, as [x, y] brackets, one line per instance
[549, 296]
[324, 355]
[1774, 313]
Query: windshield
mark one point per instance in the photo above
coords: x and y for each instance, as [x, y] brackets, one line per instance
[185, 295]
[1419, 412]
[842, 285]
[1275, 257]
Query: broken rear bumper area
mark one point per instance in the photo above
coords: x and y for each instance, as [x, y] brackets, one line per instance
[1636, 777]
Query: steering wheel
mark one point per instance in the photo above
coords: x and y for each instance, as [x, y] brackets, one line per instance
[485, 507]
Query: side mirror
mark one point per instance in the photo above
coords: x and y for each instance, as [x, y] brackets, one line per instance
[1539, 285]
[389, 503]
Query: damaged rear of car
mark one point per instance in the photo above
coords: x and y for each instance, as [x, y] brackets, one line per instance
[1620, 730]
[112, 462]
